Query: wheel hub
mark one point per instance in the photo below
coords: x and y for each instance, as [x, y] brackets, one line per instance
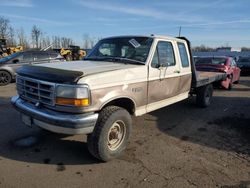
[3, 77]
[116, 135]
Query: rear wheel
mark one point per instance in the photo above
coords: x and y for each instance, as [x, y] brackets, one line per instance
[111, 134]
[237, 81]
[230, 86]
[204, 95]
[5, 78]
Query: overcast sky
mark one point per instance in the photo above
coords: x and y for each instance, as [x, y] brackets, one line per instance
[213, 23]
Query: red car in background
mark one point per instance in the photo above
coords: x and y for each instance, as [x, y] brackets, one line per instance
[220, 64]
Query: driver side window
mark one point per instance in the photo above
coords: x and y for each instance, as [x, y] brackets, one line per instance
[164, 55]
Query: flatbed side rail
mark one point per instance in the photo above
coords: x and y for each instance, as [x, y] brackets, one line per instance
[205, 78]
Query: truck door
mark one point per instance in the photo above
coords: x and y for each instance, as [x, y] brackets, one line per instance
[163, 77]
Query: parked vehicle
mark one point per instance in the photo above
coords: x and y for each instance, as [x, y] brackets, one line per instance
[244, 64]
[121, 77]
[9, 64]
[220, 64]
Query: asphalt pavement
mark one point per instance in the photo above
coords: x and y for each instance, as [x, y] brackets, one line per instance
[177, 146]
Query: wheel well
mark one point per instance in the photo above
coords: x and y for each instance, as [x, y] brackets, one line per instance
[125, 103]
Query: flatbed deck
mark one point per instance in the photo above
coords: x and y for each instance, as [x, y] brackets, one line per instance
[204, 78]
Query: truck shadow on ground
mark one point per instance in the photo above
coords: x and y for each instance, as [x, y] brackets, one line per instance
[38, 146]
[224, 125]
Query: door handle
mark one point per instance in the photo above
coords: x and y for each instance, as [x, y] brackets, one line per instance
[176, 71]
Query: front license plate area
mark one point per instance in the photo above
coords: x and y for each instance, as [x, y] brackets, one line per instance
[26, 120]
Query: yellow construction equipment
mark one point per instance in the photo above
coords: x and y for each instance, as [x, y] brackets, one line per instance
[3, 48]
[66, 53]
[5, 51]
[73, 53]
[14, 49]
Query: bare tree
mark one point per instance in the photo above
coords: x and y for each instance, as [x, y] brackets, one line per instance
[44, 41]
[22, 39]
[66, 42]
[4, 27]
[89, 42]
[61, 42]
[56, 42]
[12, 40]
[86, 41]
[36, 34]
[203, 48]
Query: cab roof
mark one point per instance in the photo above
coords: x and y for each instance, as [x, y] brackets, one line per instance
[149, 36]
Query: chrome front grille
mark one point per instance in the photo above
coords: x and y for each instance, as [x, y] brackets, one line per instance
[35, 90]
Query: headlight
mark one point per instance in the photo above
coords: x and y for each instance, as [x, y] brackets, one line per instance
[72, 95]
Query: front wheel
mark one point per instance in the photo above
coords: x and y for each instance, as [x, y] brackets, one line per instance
[5, 78]
[111, 134]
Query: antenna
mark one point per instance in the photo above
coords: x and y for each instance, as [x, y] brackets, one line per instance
[180, 31]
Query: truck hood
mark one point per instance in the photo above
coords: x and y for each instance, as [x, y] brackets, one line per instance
[69, 72]
[88, 67]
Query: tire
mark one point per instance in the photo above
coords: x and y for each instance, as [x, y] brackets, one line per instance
[204, 95]
[5, 78]
[230, 86]
[111, 134]
[237, 81]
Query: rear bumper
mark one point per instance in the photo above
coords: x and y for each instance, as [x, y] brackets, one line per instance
[56, 121]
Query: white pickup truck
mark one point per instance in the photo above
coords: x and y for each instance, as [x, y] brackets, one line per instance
[121, 77]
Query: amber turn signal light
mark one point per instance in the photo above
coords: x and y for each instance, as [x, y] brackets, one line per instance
[72, 102]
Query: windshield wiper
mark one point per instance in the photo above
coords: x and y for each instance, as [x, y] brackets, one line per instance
[122, 59]
[94, 58]
[127, 60]
[115, 59]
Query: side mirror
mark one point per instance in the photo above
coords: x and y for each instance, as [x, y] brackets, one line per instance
[15, 60]
[162, 65]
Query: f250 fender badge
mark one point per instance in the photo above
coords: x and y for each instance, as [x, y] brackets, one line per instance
[137, 89]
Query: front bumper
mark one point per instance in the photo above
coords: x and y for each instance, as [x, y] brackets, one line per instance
[56, 121]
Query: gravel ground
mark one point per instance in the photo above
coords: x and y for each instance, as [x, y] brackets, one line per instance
[177, 146]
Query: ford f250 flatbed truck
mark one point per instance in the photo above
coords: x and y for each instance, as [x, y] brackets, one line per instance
[121, 77]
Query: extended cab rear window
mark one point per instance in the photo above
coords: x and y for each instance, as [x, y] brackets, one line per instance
[183, 54]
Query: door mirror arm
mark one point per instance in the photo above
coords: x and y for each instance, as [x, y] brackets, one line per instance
[161, 65]
[15, 60]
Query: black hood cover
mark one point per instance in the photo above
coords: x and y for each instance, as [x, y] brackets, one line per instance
[50, 74]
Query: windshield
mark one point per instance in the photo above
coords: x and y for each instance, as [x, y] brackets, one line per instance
[12, 56]
[129, 49]
[214, 61]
